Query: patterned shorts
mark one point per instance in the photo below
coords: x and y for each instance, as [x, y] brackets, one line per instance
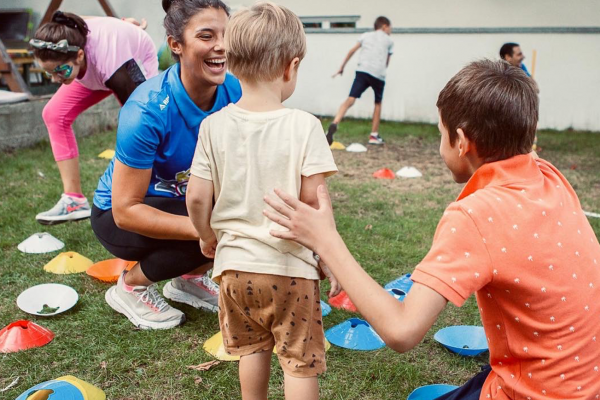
[259, 311]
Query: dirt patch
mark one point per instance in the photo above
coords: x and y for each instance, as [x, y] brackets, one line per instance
[358, 168]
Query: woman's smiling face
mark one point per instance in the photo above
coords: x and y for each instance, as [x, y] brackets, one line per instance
[202, 54]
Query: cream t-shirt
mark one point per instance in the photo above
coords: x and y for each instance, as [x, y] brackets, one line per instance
[246, 155]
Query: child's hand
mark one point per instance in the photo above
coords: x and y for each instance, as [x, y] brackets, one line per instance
[209, 247]
[336, 288]
[340, 72]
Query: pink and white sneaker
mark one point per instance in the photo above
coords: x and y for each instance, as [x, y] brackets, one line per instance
[198, 291]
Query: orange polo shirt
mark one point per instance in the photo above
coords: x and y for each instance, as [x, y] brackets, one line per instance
[517, 238]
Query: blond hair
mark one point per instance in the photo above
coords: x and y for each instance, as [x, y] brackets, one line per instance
[261, 42]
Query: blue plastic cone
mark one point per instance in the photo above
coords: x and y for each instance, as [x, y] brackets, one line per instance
[354, 334]
[325, 308]
[464, 340]
[403, 283]
[430, 392]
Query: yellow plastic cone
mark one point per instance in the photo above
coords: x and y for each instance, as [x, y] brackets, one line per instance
[89, 391]
[337, 146]
[69, 262]
[214, 346]
[108, 154]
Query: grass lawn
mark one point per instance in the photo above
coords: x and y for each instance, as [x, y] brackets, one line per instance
[388, 225]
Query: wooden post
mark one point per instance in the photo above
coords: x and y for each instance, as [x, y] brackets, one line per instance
[108, 8]
[9, 72]
[55, 5]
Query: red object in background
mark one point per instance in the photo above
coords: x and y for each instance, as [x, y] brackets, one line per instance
[342, 301]
[384, 173]
[22, 335]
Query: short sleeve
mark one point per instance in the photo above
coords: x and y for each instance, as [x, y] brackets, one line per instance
[458, 263]
[201, 162]
[317, 156]
[362, 38]
[138, 136]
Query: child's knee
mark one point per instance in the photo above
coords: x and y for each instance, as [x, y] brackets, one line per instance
[52, 116]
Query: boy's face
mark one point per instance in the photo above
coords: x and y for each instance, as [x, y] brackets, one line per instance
[453, 156]
[387, 29]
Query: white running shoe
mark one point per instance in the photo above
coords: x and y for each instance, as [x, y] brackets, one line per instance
[376, 140]
[143, 306]
[67, 209]
[199, 292]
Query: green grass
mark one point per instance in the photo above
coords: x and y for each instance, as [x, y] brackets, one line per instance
[95, 344]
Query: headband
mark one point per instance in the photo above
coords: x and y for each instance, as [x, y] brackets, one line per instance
[60, 18]
[62, 46]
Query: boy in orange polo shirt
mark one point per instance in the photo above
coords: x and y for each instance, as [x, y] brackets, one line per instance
[516, 237]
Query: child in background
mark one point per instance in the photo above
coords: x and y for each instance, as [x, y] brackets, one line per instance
[269, 287]
[516, 237]
[373, 59]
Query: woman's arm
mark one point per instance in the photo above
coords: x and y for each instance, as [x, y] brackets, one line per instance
[129, 188]
[402, 325]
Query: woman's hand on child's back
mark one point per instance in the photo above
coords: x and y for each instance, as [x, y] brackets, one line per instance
[209, 247]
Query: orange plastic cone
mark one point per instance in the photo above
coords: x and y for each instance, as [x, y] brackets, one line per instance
[384, 173]
[22, 335]
[343, 302]
[109, 270]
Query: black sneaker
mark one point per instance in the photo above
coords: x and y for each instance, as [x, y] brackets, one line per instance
[330, 132]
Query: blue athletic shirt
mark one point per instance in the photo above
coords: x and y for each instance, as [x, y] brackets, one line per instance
[158, 129]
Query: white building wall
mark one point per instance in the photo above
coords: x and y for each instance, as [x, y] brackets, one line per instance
[567, 64]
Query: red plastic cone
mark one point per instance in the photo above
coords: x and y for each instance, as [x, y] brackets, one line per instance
[343, 302]
[384, 173]
[22, 335]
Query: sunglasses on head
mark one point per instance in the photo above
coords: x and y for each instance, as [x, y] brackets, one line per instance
[63, 71]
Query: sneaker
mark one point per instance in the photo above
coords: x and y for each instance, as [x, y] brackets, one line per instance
[143, 306]
[67, 209]
[198, 292]
[330, 132]
[376, 140]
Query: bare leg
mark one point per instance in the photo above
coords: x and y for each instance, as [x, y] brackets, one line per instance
[69, 173]
[343, 109]
[254, 375]
[376, 117]
[301, 388]
[136, 277]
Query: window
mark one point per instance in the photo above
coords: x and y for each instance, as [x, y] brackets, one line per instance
[330, 22]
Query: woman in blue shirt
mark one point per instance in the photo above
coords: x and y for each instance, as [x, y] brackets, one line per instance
[139, 210]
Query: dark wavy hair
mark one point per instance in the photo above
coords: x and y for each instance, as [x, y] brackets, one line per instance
[179, 13]
[63, 25]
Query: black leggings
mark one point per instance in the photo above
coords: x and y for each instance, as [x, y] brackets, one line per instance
[159, 259]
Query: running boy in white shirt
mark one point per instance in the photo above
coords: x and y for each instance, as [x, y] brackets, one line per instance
[269, 287]
[373, 59]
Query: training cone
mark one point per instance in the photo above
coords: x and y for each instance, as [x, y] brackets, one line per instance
[337, 146]
[214, 346]
[22, 335]
[354, 334]
[384, 173]
[463, 340]
[41, 242]
[430, 392]
[403, 283]
[356, 148]
[109, 270]
[408, 172]
[343, 302]
[325, 309]
[108, 154]
[68, 263]
[47, 299]
[64, 388]
[397, 294]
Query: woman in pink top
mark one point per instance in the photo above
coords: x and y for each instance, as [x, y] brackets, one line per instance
[92, 59]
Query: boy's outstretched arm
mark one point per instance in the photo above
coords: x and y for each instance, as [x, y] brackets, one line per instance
[199, 202]
[348, 57]
[402, 325]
